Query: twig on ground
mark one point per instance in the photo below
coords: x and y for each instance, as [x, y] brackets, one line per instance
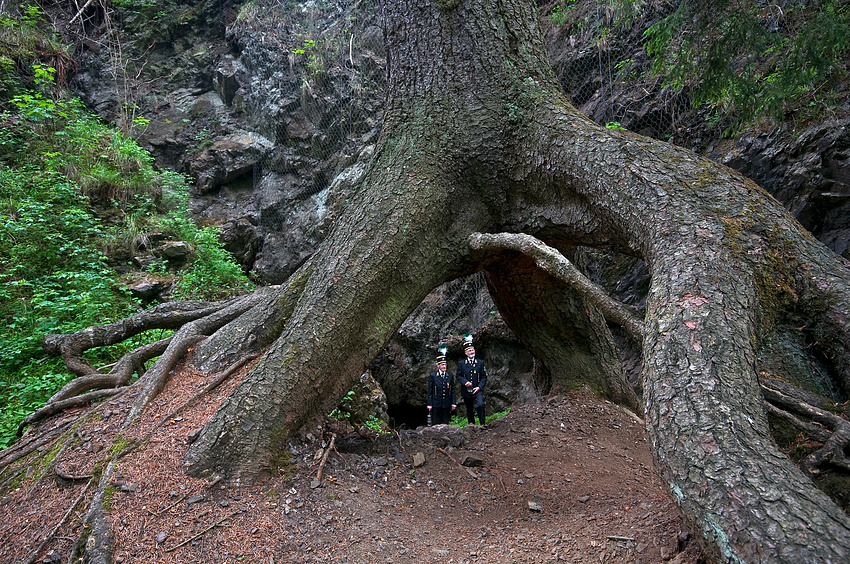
[468, 470]
[213, 526]
[325, 457]
[51, 534]
[498, 475]
[160, 512]
[401, 446]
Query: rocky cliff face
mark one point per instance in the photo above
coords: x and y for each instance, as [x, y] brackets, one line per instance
[270, 109]
[273, 109]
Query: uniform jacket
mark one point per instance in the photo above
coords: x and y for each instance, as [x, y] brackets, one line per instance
[471, 372]
[441, 390]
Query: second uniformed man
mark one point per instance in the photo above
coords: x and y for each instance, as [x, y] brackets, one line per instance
[472, 377]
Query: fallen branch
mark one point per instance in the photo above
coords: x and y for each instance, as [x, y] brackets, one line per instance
[468, 470]
[325, 457]
[498, 475]
[213, 526]
[552, 261]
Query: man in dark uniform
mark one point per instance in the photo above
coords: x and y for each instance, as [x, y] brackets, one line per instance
[441, 391]
[472, 377]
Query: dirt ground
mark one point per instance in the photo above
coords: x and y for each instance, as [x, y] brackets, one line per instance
[564, 479]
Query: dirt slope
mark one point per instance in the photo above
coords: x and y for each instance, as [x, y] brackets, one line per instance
[563, 479]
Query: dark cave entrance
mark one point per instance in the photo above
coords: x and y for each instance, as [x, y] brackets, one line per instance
[407, 416]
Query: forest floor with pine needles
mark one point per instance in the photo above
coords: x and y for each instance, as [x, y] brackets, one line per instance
[564, 479]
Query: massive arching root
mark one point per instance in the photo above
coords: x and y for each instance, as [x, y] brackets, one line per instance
[697, 418]
[801, 409]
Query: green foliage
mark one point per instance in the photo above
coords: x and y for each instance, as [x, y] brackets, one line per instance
[344, 413]
[374, 424]
[558, 13]
[460, 420]
[28, 39]
[748, 61]
[53, 279]
[212, 274]
[61, 170]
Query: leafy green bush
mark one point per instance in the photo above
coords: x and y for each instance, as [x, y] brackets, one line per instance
[61, 170]
[53, 279]
[212, 274]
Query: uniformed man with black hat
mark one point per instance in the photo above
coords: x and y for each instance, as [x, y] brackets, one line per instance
[472, 377]
[441, 391]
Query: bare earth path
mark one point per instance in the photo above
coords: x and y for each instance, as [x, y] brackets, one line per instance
[566, 479]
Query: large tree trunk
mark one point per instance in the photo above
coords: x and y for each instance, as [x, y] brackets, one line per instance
[478, 137]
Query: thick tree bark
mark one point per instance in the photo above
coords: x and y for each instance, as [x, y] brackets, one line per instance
[478, 138]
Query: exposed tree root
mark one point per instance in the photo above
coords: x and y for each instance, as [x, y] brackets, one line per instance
[552, 261]
[171, 315]
[825, 427]
[175, 412]
[27, 446]
[51, 408]
[186, 337]
[97, 539]
[119, 375]
[193, 321]
[71, 477]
